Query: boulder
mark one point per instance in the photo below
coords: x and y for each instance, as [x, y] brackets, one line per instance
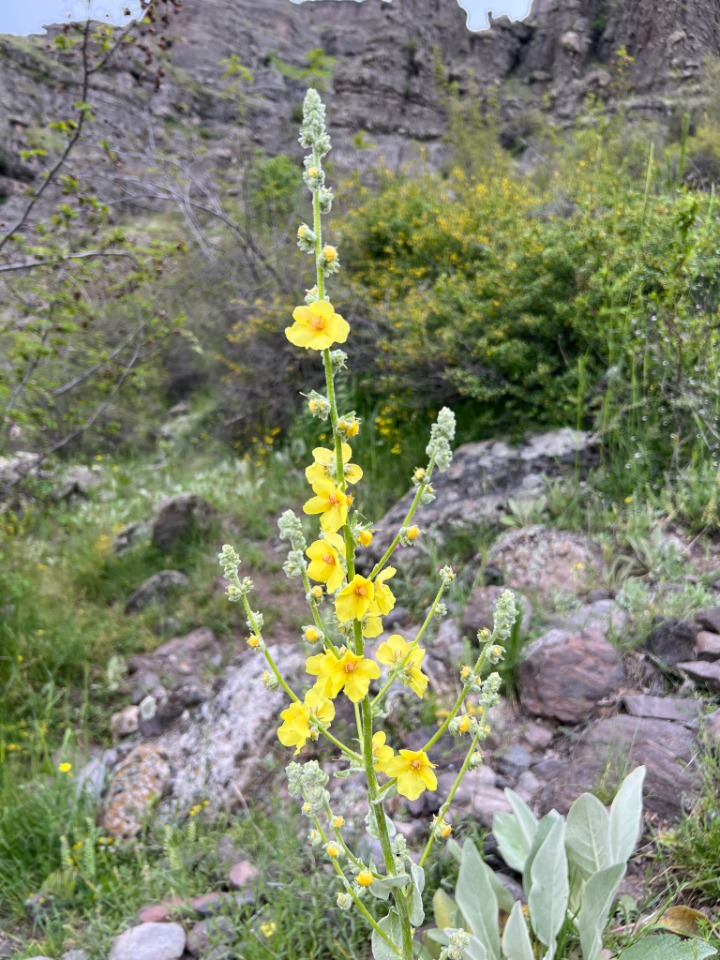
[612, 747]
[140, 780]
[565, 674]
[156, 589]
[709, 619]
[180, 519]
[702, 672]
[673, 641]
[708, 646]
[545, 563]
[680, 709]
[150, 941]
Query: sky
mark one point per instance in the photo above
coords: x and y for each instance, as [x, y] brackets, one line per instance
[29, 16]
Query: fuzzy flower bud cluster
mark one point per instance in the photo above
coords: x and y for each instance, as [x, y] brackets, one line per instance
[459, 939]
[307, 781]
[229, 560]
[318, 405]
[290, 528]
[313, 133]
[447, 575]
[442, 433]
[505, 615]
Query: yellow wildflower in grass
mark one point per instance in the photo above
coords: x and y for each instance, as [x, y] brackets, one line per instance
[268, 928]
[325, 564]
[354, 601]
[414, 773]
[65, 767]
[325, 461]
[384, 597]
[317, 326]
[331, 503]
[381, 752]
[364, 878]
[300, 720]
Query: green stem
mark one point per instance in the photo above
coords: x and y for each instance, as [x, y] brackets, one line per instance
[408, 517]
[358, 902]
[396, 671]
[449, 799]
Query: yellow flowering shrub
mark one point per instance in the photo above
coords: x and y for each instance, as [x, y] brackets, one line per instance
[347, 608]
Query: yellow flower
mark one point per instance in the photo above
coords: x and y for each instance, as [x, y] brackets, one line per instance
[331, 502]
[65, 767]
[364, 878]
[365, 538]
[330, 253]
[268, 928]
[316, 593]
[301, 720]
[312, 634]
[464, 724]
[414, 773]
[353, 601]
[372, 626]
[325, 564]
[413, 532]
[384, 597]
[325, 461]
[350, 673]
[332, 850]
[317, 326]
[353, 428]
[396, 651]
[381, 752]
[320, 666]
[338, 822]
[253, 641]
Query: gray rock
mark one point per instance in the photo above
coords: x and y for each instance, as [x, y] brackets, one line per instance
[75, 955]
[673, 641]
[221, 748]
[480, 608]
[448, 644]
[611, 748]
[135, 785]
[92, 776]
[485, 475]
[180, 519]
[702, 672]
[77, 481]
[709, 619]
[150, 941]
[156, 589]
[681, 709]
[564, 675]
[130, 535]
[711, 729]
[545, 563]
[513, 761]
[125, 722]
[210, 933]
[708, 646]
[528, 786]
[606, 615]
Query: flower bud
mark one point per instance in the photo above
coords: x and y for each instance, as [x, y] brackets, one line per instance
[364, 878]
[365, 538]
[311, 634]
[344, 901]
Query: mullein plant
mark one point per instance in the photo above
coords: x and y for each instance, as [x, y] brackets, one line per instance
[347, 609]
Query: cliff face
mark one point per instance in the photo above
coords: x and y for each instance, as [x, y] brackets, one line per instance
[385, 78]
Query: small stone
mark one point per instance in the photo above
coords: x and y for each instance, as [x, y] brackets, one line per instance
[537, 736]
[150, 941]
[673, 641]
[483, 776]
[708, 646]
[513, 761]
[146, 682]
[156, 589]
[606, 615]
[159, 912]
[709, 619]
[210, 904]
[528, 786]
[549, 768]
[75, 955]
[125, 722]
[486, 802]
[564, 675]
[210, 933]
[448, 644]
[680, 709]
[140, 778]
[242, 874]
[702, 672]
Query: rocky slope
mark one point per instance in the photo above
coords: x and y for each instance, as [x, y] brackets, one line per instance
[393, 61]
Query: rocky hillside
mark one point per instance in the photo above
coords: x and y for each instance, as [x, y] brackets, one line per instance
[392, 63]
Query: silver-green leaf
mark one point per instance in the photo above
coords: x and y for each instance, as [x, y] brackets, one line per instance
[597, 900]
[392, 928]
[548, 896]
[477, 901]
[587, 835]
[626, 816]
[516, 938]
[666, 946]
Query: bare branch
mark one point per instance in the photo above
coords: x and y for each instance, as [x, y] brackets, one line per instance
[55, 261]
